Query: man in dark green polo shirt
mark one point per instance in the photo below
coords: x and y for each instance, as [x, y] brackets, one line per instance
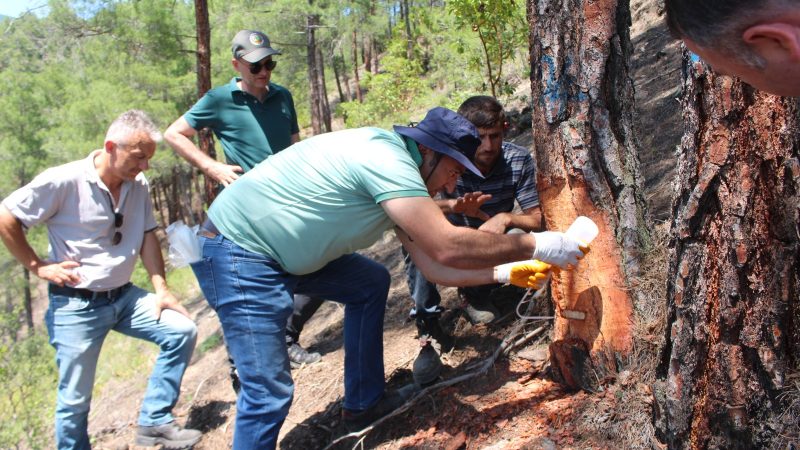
[253, 118]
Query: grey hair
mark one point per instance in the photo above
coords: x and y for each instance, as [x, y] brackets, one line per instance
[130, 122]
[719, 24]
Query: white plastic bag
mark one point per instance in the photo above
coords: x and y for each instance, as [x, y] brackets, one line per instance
[184, 248]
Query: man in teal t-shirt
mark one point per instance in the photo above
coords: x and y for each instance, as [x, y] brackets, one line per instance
[253, 118]
[292, 225]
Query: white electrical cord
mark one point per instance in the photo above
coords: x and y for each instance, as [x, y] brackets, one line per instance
[536, 296]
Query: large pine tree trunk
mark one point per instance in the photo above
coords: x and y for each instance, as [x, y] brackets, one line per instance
[205, 135]
[734, 277]
[587, 165]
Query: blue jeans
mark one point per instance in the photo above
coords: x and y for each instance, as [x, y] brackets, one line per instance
[77, 328]
[252, 296]
[424, 293]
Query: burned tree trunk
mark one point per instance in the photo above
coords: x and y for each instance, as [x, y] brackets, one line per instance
[587, 165]
[205, 135]
[734, 277]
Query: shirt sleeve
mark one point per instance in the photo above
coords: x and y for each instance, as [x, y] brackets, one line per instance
[527, 195]
[290, 101]
[150, 223]
[37, 201]
[204, 113]
[387, 171]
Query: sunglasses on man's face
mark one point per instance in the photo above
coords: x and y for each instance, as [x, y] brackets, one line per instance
[256, 67]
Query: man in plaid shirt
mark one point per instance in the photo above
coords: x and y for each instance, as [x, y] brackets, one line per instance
[483, 203]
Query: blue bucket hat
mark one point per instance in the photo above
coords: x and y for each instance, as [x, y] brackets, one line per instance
[446, 132]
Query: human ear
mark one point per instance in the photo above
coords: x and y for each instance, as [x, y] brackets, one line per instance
[774, 39]
[423, 150]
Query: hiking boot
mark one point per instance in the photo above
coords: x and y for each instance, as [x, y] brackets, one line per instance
[429, 326]
[169, 435]
[391, 400]
[427, 366]
[299, 356]
[481, 313]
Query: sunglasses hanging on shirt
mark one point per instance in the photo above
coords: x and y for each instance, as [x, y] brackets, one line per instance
[118, 218]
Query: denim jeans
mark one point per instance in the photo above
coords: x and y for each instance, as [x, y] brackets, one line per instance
[252, 296]
[77, 328]
[424, 293]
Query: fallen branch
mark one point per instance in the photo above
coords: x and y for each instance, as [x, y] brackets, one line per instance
[188, 407]
[509, 343]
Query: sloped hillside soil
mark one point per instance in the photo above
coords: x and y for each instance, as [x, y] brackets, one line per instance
[513, 405]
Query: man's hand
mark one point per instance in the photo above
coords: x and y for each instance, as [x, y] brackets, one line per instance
[59, 273]
[470, 205]
[224, 174]
[525, 274]
[497, 224]
[529, 274]
[558, 249]
[165, 300]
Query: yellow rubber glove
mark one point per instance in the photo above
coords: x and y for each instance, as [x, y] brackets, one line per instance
[526, 274]
[529, 274]
[538, 280]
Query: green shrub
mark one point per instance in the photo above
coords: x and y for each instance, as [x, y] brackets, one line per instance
[28, 376]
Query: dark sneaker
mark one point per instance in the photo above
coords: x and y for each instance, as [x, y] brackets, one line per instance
[299, 356]
[169, 435]
[429, 326]
[427, 366]
[391, 400]
[235, 383]
[481, 313]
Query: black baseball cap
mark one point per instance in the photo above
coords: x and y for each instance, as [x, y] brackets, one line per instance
[252, 46]
[446, 132]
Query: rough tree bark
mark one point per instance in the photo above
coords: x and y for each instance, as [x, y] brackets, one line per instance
[587, 165]
[324, 106]
[336, 76]
[205, 135]
[344, 77]
[409, 37]
[313, 74]
[734, 277]
[359, 95]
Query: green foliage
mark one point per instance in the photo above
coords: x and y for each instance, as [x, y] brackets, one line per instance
[502, 30]
[392, 92]
[28, 376]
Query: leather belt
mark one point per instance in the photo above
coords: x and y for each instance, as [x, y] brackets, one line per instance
[208, 230]
[111, 295]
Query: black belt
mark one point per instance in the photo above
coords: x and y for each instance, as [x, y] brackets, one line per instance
[86, 294]
[208, 230]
